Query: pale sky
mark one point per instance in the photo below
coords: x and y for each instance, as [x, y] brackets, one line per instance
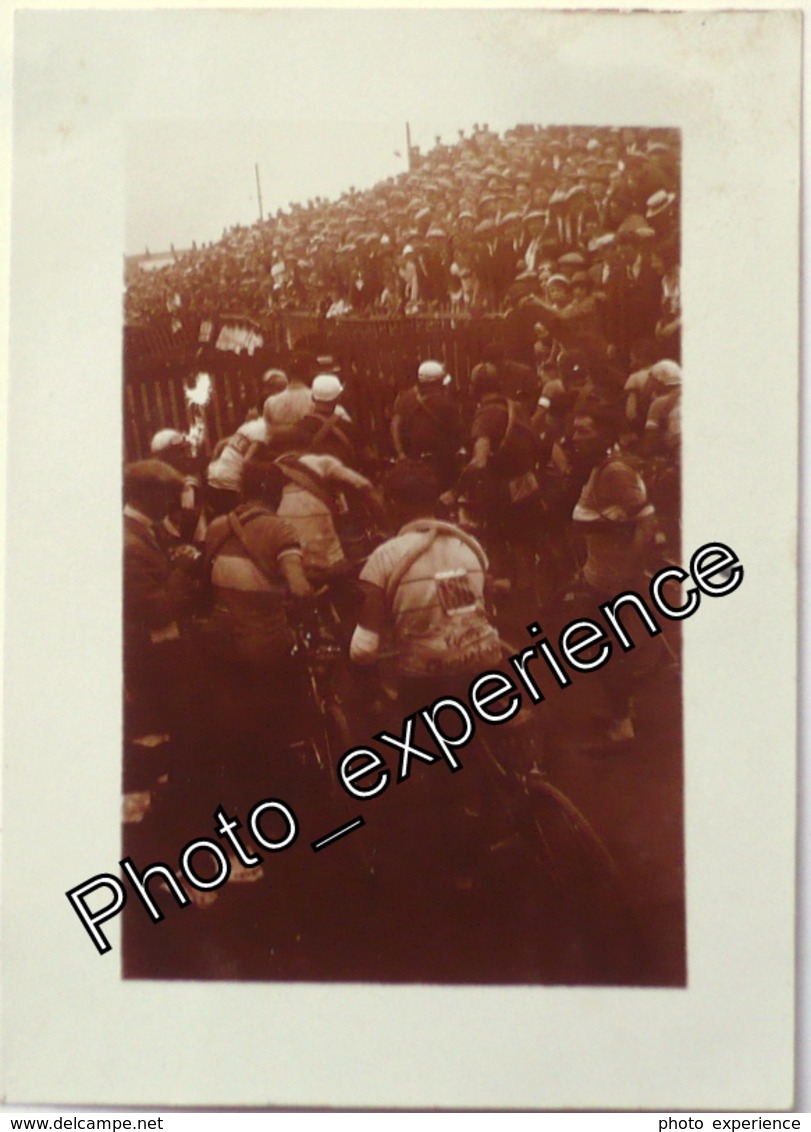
[188, 180]
[319, 99]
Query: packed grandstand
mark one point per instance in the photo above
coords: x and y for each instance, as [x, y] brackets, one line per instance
[455, 232]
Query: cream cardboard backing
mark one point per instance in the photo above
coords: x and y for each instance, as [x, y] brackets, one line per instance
[74, 1031]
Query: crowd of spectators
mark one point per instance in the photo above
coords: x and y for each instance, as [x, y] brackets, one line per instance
[585, 220]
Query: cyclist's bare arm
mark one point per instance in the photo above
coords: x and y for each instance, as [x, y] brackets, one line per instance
[481, 453]
[337, 472]
[365, 645]
[396, 436]
[292, 571]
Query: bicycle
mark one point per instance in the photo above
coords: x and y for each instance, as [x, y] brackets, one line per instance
[559, 868]
[317, 646]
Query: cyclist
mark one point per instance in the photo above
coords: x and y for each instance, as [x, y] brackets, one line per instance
[329, 429]
[224, 473]
[426, 589]
[315, 504]
[426, 423]
[254, 561]
[188, 523]
[294, 401]
[424, 593]
[502, 480]
[617, 523]
[329, 506]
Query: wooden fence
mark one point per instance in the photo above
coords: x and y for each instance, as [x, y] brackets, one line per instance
[378, 358]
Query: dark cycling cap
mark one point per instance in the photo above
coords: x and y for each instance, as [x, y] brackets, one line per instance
[608, 420]
[484, 378]
[150, 482]
[263, 480]
[412, 482]
[151, 474]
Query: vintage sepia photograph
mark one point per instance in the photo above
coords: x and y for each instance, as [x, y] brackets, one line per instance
[401, 465]
[401, 593]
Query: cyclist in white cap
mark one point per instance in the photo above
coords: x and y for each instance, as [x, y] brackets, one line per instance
[188, 523]
[663, 422]
[328, 429]
[426, 423]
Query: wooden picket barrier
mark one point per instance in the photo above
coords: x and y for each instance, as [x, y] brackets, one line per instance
[158, 400]
[378, 356]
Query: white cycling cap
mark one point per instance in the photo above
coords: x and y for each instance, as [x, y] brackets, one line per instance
[326, 387]
[431, 371]
[166, 438]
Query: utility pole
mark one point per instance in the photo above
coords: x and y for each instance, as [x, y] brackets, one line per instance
[259, 192]
[408, 145]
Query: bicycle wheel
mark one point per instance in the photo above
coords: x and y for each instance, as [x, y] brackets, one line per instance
[328, 730]
[586, 886]
[337, 731]
[569, 845]
[312, 743]
[561, 893]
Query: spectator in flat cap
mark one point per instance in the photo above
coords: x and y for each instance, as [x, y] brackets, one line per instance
[632, 287]
[570, 263]
[508, 253]
[412, 280]
[534, 225]
[558, 291]
[436, 266]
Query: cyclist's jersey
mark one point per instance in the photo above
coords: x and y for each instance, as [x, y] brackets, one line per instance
[311, 518]
[249, 586]
[329, 435]
[289, 406]
[226, 471]
[514, 446]
[437, 606]
[613, 499]
[429, 422]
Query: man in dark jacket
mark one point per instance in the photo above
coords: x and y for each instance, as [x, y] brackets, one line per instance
[161, 677]
[159, 590]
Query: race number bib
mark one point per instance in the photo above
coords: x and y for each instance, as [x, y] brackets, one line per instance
[240, 443]
[454, 592]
